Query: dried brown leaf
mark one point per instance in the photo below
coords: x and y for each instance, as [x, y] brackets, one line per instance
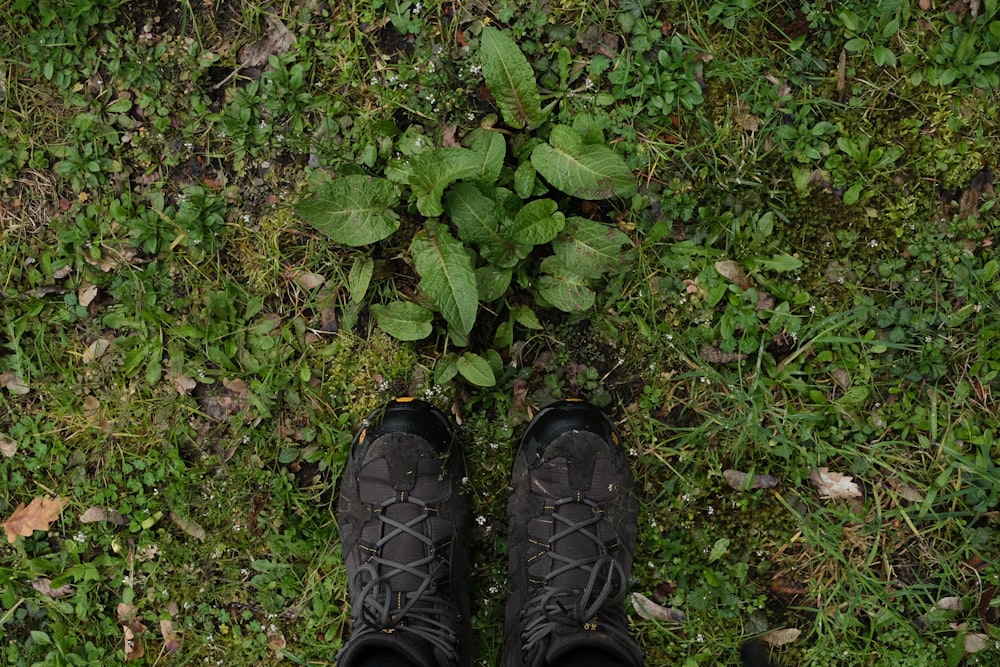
[95, 514]
[834, 485]
[86, 294]
[171, 640]
[277, 39]
[781, 637]
[184, 384]
[14, 383]
[134, 649]
[714, 355]
[904, 490]
[231, 400]
[976, 642]
[734, 273]
[842, 378]
[37, 515]
[950, 603]
[44, 586]
[96, 350]
[126, 612]
[305, 279]
[7, 446]
[651, 611]
[189, 526]
[737, 479]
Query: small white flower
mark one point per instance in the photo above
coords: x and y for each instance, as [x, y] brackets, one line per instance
[686, 497]
[711, 510]
[475, 69]
[633, 452]
[700, 638]
[481, 520]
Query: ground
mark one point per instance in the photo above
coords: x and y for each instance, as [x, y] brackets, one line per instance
[791, 312]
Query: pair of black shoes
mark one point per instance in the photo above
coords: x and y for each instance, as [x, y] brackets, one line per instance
[572, 526]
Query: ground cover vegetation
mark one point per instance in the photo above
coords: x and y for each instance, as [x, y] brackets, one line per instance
[760, 233]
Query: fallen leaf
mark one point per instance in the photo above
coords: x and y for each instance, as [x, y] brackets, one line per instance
[108, 258]
[976, 642]
[904, 490]
[171, 640]
[968, 203]
[133, 648]
[231, 400]
[95, 514]
[277, 39]
[305, 279]
[714, 355]
[275, 638]
[184, 384]
[126, 612]
[651, 611]
[96, 350]
[7, 446]
[781, 637]
[86, 294]
[734, 273]
[834, 485]
[950, 603]
[13, 382]
[44, 586]
[737, 479]
[189, 526]
[38, 515]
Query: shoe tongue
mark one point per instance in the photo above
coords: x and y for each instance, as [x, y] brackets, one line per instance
[419, 477]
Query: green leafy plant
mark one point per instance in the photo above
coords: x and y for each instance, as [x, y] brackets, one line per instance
[487, 221]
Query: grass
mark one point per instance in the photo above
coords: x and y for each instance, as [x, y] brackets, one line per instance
[812, 285]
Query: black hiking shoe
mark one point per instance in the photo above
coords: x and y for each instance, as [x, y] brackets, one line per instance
[402, 526]
[571, 540]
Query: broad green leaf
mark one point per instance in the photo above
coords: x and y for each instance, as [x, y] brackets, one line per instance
[510, 79]
[719, 549]
[526, 317]
[524, 180]
[537, 222]
[404, 320]
[476, 370]
[491, 149]
[360, 277]
[446, 275]
[353, 210]
[853, 193]
[492, 282]
[564, 289]
[591, 248]
[436, 170]
[781, 263]
[587, 171]
[446, 368]
[480, 221]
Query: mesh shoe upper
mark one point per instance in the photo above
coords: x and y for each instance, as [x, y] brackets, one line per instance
[572, 537]
[402, 526]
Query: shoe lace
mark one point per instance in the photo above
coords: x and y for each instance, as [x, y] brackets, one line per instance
[421, 612]
[559, 605]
